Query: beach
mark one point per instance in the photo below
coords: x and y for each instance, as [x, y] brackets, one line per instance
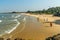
[33, 27]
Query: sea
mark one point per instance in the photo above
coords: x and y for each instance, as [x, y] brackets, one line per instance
[9, 22]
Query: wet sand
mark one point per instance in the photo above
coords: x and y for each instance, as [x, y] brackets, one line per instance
[32, 29]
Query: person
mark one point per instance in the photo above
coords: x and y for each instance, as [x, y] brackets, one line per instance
[46, 20]
[38, 18]
[51, 24]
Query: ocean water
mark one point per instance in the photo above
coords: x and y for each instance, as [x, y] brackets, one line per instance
[9, 22]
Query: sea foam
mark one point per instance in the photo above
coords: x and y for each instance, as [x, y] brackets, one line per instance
[9, 31]
[17, 16]
[0, 21]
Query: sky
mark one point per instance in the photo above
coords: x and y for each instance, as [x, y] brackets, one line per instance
[25, 5]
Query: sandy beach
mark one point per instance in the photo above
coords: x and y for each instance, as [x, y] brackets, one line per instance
[35, 29]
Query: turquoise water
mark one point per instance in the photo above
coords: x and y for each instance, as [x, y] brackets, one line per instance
[9, 21]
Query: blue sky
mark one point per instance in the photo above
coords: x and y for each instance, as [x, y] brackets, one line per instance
[24, 5]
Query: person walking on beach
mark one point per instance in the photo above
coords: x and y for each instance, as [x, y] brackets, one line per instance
[38, 18]
[46, 19]
[50, 24]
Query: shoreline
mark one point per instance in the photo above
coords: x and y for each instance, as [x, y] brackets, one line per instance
[9, 31]
[35, 31]
[18, 23]
[50, 17]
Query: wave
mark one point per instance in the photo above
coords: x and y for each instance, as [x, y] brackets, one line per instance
[9, 31]
[24, 20]
[17, 16]
[0, 21]
[7, 19]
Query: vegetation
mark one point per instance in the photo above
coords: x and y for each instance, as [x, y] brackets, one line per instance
[52, 10]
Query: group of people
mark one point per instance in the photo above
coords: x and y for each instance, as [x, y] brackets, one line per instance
[45, 20]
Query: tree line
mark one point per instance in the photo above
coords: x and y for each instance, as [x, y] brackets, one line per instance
[51, 10]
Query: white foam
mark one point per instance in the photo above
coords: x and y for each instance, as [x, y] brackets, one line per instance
[13, 28]
[13, 16]
[24, 20]
[17, 16]
[15, 20]
[23, 13]
[0, 21]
